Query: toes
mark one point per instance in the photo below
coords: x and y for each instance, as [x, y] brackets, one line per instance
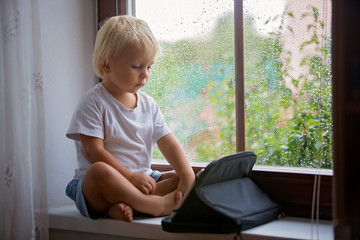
[121, 211]
[127, 211]
[121, 207]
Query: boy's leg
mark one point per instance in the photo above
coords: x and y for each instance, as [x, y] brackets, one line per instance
[103, 186]
[167, 183]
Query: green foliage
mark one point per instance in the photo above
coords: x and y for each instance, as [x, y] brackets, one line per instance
[222, 98]
[284, 126]
[304, 139]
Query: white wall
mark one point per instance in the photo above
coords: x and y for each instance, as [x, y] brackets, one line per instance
[68, 29]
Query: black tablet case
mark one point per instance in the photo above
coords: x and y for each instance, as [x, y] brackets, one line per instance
[223, 199]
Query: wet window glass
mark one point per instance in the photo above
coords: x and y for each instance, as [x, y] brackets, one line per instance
[287, 78]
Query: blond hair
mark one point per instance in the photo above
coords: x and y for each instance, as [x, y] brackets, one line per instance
[119, 33]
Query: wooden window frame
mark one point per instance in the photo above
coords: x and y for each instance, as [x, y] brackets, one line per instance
[294, 190]
[108, 8]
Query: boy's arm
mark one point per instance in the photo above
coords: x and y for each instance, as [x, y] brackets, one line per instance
[175, 155]
[94, 151]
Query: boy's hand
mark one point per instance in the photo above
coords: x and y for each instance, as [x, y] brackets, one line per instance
[183, 186]
[143, 182]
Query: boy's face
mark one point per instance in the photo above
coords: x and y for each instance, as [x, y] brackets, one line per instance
[129, 71]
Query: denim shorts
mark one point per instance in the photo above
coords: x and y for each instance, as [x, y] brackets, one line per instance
[74, 191]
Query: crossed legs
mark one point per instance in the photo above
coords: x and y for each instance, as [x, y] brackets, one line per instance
[105, 189]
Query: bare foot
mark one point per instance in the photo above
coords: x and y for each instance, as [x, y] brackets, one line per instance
[121, 211]
[169, 203]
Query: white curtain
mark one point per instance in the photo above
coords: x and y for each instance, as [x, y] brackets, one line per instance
[23, 190]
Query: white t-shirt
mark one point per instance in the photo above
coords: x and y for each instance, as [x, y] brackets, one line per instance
[128, 134]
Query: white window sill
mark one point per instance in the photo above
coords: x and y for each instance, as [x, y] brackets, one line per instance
[67, 222]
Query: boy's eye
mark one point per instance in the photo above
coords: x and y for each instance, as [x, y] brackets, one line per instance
[138, 67]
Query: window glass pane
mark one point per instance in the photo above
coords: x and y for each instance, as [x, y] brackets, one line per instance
[288, 82]
[193, 78]
[287, 77]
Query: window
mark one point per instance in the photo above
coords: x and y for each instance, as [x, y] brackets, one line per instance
[193, 79]
[288, 90]
[292, 189]
[287, 78]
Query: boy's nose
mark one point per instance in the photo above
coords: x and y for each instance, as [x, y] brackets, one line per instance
[146, 73]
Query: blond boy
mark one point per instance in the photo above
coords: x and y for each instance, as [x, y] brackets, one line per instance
[115, 126]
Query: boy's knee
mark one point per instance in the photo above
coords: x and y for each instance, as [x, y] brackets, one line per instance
[168, 175]
[99, 169]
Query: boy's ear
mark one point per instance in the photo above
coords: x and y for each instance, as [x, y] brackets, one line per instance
[105, 67]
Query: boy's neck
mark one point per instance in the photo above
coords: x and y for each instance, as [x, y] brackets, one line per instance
[127, 99]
